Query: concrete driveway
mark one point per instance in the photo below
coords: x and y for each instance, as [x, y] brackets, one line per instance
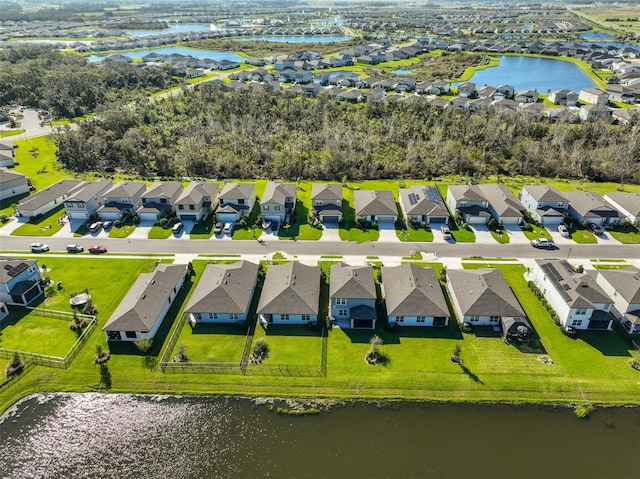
[388, 233]
[483, 235]
[516, 236]
[330, 232]
[142, 230]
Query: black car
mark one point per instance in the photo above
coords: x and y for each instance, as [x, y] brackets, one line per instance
[595, 229]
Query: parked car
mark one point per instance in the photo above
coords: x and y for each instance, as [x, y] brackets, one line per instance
[74, 248]
[97, 249]
[228, 228]
[446, 232]
[563, 230]
[177, 228]
[95, 227]
[217, 229]
[39, 247]
[595, 229]
[107, 225]
[543, 243]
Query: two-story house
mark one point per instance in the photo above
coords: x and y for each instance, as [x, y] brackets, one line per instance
[196, 201]
[290, 295]
[224, 293]
[47, 199]
[352, 293]
[234, 201]
[278, 201]
[12, 184]
[503, 205]
[467, 89]
[423, 204]
[121, 199]
[83, 202]
[546, 205]
[593, 96]
[20, 281]
[623, 287]
[413, 296]
[326, 202]
[563, 97]
[158, 200]
[469, 202]
[578, 300]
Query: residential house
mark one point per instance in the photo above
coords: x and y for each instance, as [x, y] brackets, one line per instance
[158, 200]
[234, 201]
[20, 281]
[224, 293]
[591, 207]
[563, 97]
[83, 202]
[623, 287]
[627, 203]
[290, 295]
[545, 204]
[482, 297]
[196, 201]
[527, 96]
[4, 311]
[278, 201]
[375, 206]
[593, 96]
[503, 92]
[577, 299]
[12, 184]
[142, 310]
[352, 292]
[595, 112]
[536, 110]
[423, 204]
[413, 296]
[467, 89]
[121, 199]
[469, 202]
[326, 202]
[7, 156]
[46, 199]
[503, 206]
[486, 91]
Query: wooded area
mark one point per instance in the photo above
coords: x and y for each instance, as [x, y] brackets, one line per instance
[208, 132]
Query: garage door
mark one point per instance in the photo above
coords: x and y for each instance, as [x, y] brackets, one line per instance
[334, 220]
[147, 217]
[553, 220]
[477, 220]
[439, 221]
[188, 217]
[386, 219]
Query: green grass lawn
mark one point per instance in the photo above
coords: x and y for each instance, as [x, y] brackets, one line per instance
[500, 235]
[36, 158]
[250, 231]
[415, 234]
[462, 235]
[580, 235]
[203, 229]
[291, 344]
[348, 231]
[7, 133]
[626, 234]
[36, 334]
[45, 225]
[219, 343]
[538, 232]
[299, 229]
[159, 232]
[122, 231]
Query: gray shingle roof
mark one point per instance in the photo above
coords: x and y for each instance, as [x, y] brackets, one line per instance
[410, 290]
[578, 290]
[543, 194]
[7, 176]
[423, 200]
[374, 202]
[352, 282]
[232, 191]
[9, 267]
[172, 190]
[224, 288]
[48, 194]
[89, 189]
[466, 192]
[291, 288]
[483, 292]
[140, 308]
[126, 189]
[628, 201]
[502, 200]
[591, 205]
[196, 191]
[626, 282]
[276, 192]
[326, 191]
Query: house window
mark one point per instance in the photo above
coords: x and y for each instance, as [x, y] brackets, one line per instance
[192, 207]
[494, 319]
[265, 207]
[462, 204]
[581, 312]
[341, 301]
[576, 322]
[318, 202]
[284, 317]
[163, 201]
[233, 316]
[400, 319]
[420, 319]
[240, 201]
[180, 207]
[276, 207]
[306, 317]
[130, 334]
[474, 319]
[559, 204]
[343, 312]
[213, 315]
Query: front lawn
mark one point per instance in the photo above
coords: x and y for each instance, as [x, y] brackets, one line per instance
[160, 232]
[462, 235]
[299, 229]
[420, 235]
[500, 235]
[6, 133]
[122, 231]
[250, 230]
[348, 230]
[626, 234]
[537, 232]
[45, 225]
[203, 229]
[580, 235]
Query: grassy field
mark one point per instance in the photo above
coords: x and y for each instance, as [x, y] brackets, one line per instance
[537, 232]
[625, 234]
[36, 158]
[414, 234]
[45, 225]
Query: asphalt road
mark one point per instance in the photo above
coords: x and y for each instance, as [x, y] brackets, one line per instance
[214, 246]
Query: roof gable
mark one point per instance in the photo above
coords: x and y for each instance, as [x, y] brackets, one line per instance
[291, 288]
[483, 292]
[411, 290]
[352, 282]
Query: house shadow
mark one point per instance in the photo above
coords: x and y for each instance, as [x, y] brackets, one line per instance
[292, 330]
[534, 346]
[16, 313]
[451, 331]
[363, 336]
[239, 329]
[609, 343]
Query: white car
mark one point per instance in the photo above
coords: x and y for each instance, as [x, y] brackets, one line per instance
[39, 247]
[563, 230]
[228, 229]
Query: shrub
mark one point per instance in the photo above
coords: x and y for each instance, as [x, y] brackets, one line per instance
[15, 366]
[260, 351]
[527, 227]
[163, 222]
[144, 344]
[455, 355]
[582, 411]
[117, 224]
[635, 364]
[101, 356]
[181, 356]
[374, 355]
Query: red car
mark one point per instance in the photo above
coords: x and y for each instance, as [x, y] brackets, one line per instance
[97, 249]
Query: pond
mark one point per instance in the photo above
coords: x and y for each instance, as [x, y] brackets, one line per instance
[295, 38]
[173, 28]
[130, 436]
[214, 55]
[402, 71]
[533, 73]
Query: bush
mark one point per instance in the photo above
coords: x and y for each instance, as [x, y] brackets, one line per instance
[144, 344]
[527, 227]
[374, 355]
[181, 356]
[117, 224]
[260, 351]
[101, 356]
[15, 366]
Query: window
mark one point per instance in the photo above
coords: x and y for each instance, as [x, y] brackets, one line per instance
[284, 317]
[276, 207]
[265, 207]
[559, 204]
[241, 201]
[343, 312]
[341, 301]
[494, 319]
[576, 322]
[474, 319]
[180, 207]
[130, 334]
[420, 319]
[400, 319]
[581, 311]
[306, 317]
[233, 316]
[213, 315]
[192, 207]
[163, 201]
[318, 202]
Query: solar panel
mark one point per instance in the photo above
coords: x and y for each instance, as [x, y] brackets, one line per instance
[17, 269]
[433, 195]
[413, 198]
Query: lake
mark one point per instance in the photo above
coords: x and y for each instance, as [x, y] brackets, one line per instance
[173, 28]
[295, 38]
[533, 73]
[174, 50]
[130, 436]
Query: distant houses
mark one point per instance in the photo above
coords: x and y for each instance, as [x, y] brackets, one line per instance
[12, 184]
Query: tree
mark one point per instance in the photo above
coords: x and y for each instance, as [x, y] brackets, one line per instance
[101, 356]
[16, 365]
[374, 354]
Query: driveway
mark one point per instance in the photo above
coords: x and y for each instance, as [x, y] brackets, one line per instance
[560, 240]
[330, 232]
[516, 236]
[388, 233]
[142, 230]
[483, 235]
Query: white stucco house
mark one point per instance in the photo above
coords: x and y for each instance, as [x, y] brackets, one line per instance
[84, 201]
[627, 203]
[278, 201]
[121, 199]
[546, 205]
[12, 184]
[234, 201]
[47, 199]
[623, 287]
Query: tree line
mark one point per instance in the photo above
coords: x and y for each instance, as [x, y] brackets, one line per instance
[69, 85]
[209, 132]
